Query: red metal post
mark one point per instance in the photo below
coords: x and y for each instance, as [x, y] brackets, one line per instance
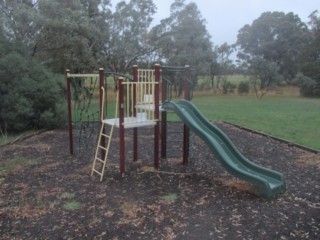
[121, 128]
[69, 112]
[156, 116]
[101, 84]
[163, 120]
[186, 131]
[135, 130]
[187, 91]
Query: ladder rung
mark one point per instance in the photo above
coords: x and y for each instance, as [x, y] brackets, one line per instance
[100, 160]
[100, 173]
[105, 135]
[102, 147]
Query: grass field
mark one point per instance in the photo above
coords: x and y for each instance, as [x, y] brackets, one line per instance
[293, 118]
[286, 116]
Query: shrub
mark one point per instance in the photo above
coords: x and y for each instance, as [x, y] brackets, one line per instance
[228, 87]
[243, 87]
[31, 96]
[308, 86]
[310, 90]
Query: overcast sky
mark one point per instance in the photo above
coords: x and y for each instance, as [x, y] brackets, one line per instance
[225, 17]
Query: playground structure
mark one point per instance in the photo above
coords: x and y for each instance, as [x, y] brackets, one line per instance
[138, 105]
[140, 101]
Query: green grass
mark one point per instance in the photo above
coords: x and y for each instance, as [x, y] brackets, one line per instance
[71, 205]
[67, 195]
[169, 198]
[10, 166]
[293, 118]
[8, 138]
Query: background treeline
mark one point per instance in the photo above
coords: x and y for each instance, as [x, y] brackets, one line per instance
[39, 39]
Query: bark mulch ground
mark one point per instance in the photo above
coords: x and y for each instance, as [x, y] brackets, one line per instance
[47, 194]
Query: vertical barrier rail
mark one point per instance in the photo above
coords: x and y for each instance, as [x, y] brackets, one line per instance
[69, 112]
[121, 126]
[101, 84]
[156, 89]
[163, 119]
[135, 130]
[186, 131]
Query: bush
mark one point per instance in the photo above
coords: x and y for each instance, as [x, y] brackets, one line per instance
[243, 87]
[308, 86]
[310, 90]
[30, 95]
[228, 87]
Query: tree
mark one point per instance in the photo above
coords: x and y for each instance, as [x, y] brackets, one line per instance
[19, 20]
[277, 39]
[264, 74]
[221, 64]
[30, 95]
[129, 34]
[60, 34]
[183, 38]
[310, 61]
[73, 33]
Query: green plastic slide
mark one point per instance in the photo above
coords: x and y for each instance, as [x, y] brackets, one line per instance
[269, 183]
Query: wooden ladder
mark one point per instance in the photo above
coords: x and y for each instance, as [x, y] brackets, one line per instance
[101, 155]
[102, 151]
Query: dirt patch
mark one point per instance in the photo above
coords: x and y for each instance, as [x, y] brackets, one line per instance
[56, 197]
[309, 160]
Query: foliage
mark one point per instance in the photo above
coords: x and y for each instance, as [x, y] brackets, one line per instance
[310, 61]
[264, 75]
[275, 39]
[43, 36]
[228, 87]
[243, 87]
[129, 36]
[183, 38]
[31, 96]
[308, 86]
[61, 34]
[221, 63]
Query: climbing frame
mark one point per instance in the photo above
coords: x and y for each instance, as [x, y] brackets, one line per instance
[137, 106]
